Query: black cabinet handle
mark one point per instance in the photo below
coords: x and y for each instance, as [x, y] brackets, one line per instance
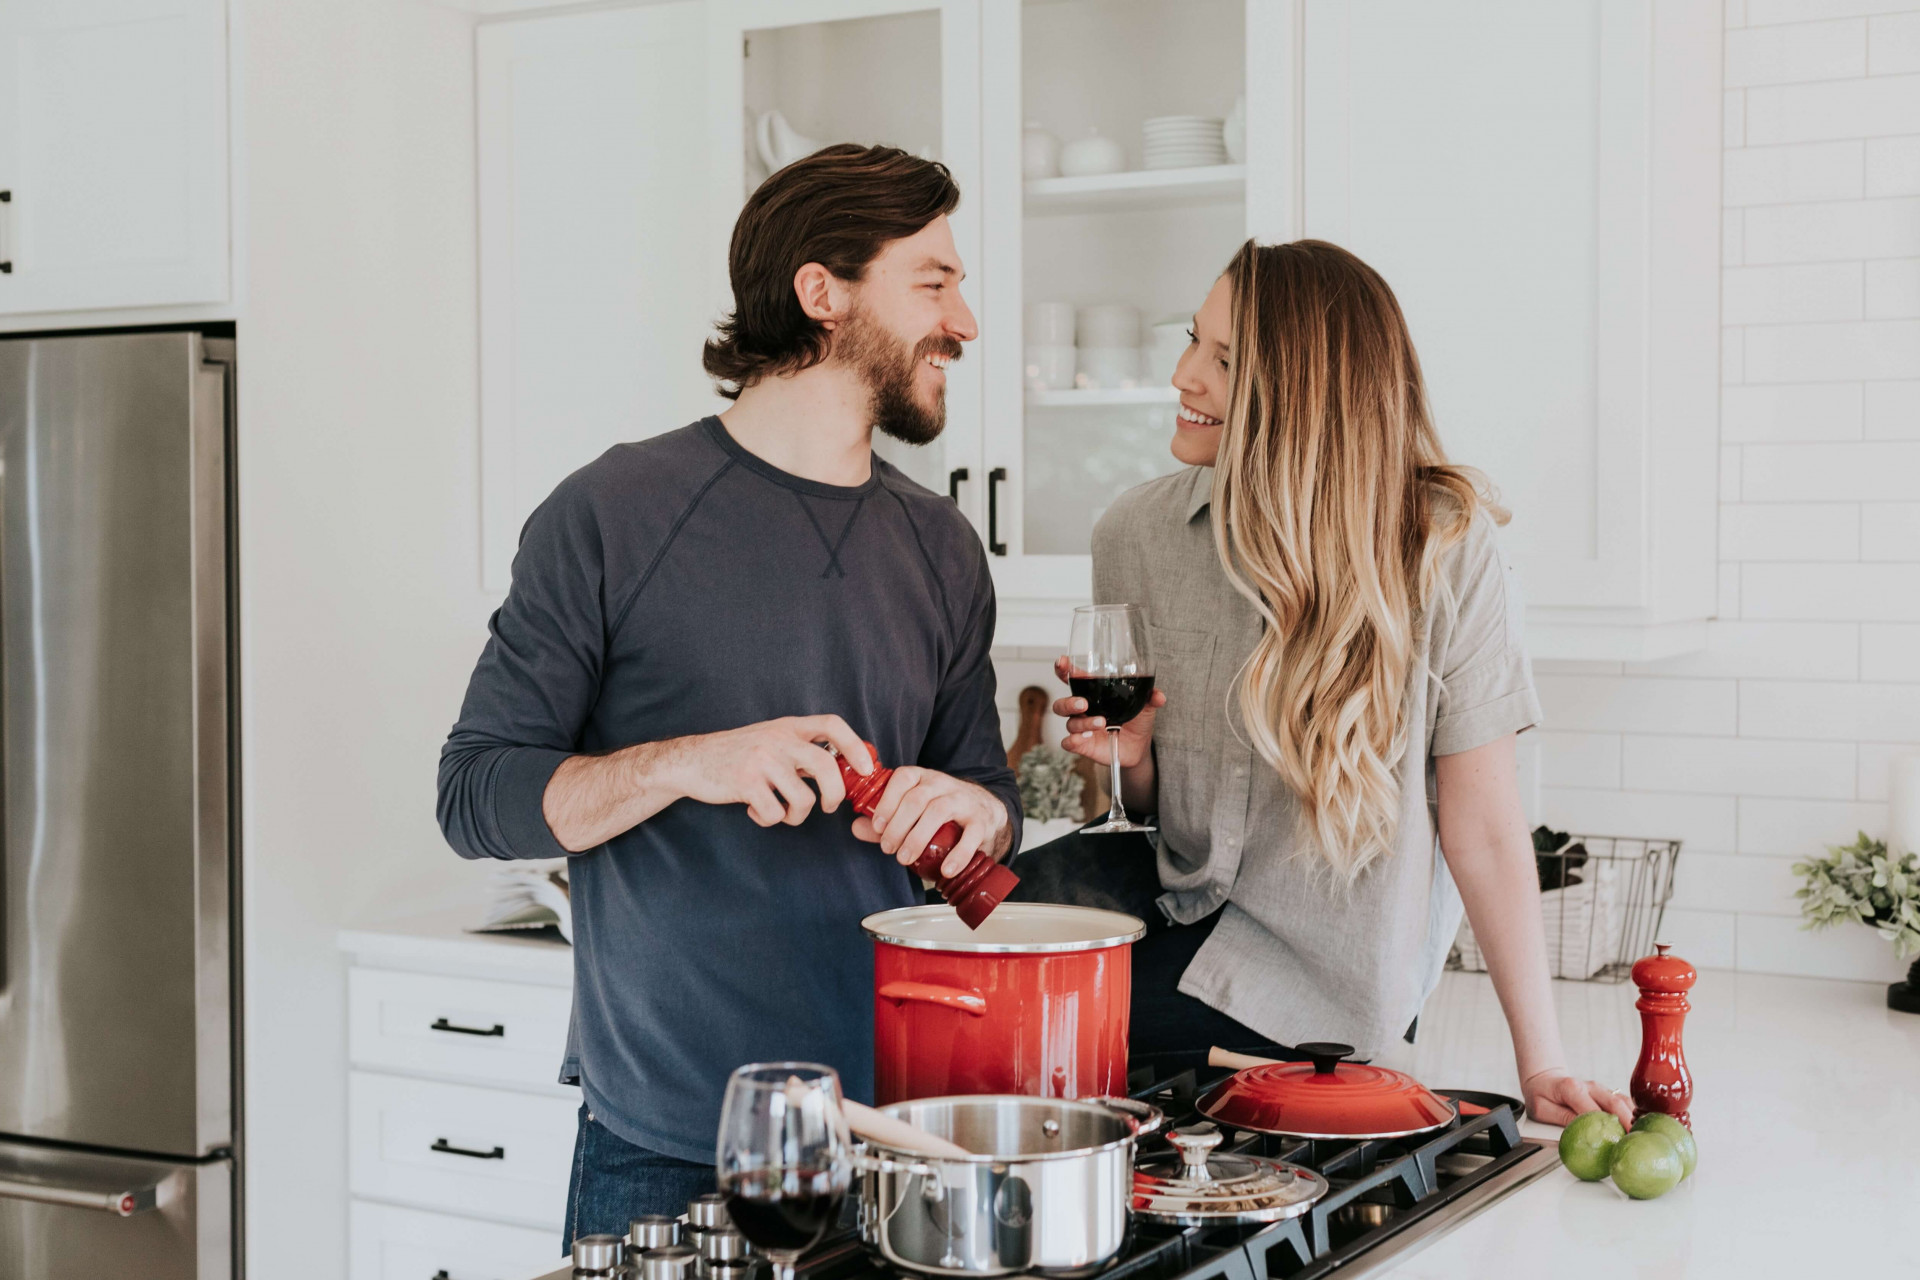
[441, 1274]
[954, 477]
[994, 477]
[445, 1148]
[441, 1024]
[6, 244]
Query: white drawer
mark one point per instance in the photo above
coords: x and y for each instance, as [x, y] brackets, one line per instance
[391, 1243]
[406, 1138]
[510, 1033]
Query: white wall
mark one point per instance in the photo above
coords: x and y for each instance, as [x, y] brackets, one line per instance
[361, 609]
[1775, 740]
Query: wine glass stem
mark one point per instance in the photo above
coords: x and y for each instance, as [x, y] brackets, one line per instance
[783, 1268]
[1116, 811]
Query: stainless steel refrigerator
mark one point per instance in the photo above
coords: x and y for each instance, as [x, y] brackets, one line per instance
[118, 991]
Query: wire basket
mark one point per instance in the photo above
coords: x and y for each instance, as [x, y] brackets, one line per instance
[1601, 900]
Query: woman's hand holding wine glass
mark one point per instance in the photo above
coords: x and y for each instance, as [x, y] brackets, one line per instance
[1086, 734]
[1109, 667]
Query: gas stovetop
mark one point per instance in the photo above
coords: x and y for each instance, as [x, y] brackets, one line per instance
[1387, 1199]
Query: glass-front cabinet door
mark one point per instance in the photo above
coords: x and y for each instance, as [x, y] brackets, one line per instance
[1121, 175]
[790, 76]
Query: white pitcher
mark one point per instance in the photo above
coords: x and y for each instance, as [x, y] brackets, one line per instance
[779, 145]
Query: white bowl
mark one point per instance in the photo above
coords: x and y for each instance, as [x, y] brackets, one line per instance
[1050, 366]
[1050, 324]
[1107, 324]
[1093, 154]
[1108, 367]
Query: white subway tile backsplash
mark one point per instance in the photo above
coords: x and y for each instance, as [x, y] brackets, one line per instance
[1795, 294]
[1866, 349]
[1737, 882]
[1832, 231]
[1835, 592]
[1893, 166]
[1766, 12]
[1893, 44]
[1699, 822]
[1892, 289]
[1890, 531]
[1729, 473]
[1576, 667]
[1868, 471]
[1733, 119]
[1889, 652]
[1804, 51]
[1733, 356]
[1789, 531]
[1833, 711]
[1779, 944]
[1878, 107]
[1740, 766]
[1891, 411]
[1791, 412]
[1727, 592]
[1793, 174]
[1730, 233]
[1638, 704]
[1875, 760]
[1769, 824]
[1578, 759]
[1734, 14]
[1706, 938]
[1781, 650]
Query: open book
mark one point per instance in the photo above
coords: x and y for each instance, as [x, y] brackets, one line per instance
[527, 896]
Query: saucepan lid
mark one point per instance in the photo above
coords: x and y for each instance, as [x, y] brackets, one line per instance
[1326, 1098]
[1014, 927]
[1198, 1186]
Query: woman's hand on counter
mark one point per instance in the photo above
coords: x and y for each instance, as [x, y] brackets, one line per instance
[1087, 735]
[1554, 1097]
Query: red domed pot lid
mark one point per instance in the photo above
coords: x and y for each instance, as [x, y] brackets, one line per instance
[1326, 1098]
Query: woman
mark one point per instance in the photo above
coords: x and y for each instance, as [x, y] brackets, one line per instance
[1340, 676]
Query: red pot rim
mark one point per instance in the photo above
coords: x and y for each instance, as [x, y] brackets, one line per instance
[1326, 1098]
[1014, 928]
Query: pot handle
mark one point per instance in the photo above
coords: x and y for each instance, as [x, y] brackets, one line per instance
[968, 1001]
[1147, 1118]
[867, 1162]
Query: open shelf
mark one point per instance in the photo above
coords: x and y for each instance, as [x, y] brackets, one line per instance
[1137, 189]
[1091, 397]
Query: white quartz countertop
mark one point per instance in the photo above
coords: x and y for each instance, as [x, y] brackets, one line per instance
[1806, 1109]
[438, 942]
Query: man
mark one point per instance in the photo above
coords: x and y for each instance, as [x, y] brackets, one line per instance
[697, 623]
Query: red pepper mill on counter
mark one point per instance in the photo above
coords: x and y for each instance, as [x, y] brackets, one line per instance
[1661, 1081]
[982, 884]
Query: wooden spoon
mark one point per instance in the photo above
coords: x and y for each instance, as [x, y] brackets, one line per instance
[898, 1135]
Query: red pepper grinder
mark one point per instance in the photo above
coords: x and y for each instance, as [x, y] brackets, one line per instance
[982, 884]
[1661, 1081]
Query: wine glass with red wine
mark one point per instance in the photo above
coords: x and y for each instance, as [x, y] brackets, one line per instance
[1112, 669]
[783, 1157]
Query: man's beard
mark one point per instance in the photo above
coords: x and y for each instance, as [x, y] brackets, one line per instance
[888, 367]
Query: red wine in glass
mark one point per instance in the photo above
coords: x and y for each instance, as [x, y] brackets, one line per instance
[1116, 699]
[783, 1210]
[1109, 665]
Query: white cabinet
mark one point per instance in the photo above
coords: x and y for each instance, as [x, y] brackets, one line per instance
[1538, 183]
[113, 154]
[391, 1243]
[594, 298]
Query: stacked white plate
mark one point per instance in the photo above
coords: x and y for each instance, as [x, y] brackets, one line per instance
[1183, 142]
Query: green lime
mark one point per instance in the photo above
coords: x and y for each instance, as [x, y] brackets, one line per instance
[1646, 1166]
[1673, 1131]
[1587, 1144]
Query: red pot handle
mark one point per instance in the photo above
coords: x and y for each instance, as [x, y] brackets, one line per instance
[968, 1001]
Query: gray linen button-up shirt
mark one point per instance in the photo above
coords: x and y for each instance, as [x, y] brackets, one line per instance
[1297, 956]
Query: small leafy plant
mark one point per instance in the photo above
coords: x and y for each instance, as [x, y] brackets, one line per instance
[1862, 881]
[1049, 786]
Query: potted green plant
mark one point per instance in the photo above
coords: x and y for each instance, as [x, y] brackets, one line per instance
[1863, 881]
[1050, 789]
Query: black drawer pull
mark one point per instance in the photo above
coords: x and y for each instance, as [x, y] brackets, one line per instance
[441, 1024]
[441, 1274]
[445, 1148]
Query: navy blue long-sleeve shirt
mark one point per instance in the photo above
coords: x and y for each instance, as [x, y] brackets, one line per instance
[678, 586]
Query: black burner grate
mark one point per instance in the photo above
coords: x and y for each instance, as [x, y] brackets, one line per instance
[1380, 1190]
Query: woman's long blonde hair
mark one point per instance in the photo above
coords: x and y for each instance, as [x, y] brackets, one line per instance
[1333, 502]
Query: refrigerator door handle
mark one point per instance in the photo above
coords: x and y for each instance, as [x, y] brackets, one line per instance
[122, 1204]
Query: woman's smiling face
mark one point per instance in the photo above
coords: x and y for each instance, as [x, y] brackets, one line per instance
[1201, 379]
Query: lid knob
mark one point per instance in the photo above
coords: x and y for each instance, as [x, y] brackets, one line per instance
[1195, 1141]
[598, 1253]
[1326, 1055]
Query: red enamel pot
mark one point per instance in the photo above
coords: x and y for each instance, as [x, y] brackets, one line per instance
[1032, 1002]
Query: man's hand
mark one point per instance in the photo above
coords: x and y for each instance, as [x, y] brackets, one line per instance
[918, 802]
[1087, 735]
[765, 767]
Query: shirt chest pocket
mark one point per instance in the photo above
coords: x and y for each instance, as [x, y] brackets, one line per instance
[1183, 670]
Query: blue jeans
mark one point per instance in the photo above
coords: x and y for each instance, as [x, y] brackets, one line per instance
[614, 1182]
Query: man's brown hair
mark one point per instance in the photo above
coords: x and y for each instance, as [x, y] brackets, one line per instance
[837, 207]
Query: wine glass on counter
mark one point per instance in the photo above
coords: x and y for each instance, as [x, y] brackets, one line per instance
[1112, 668]
[783, 1157]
